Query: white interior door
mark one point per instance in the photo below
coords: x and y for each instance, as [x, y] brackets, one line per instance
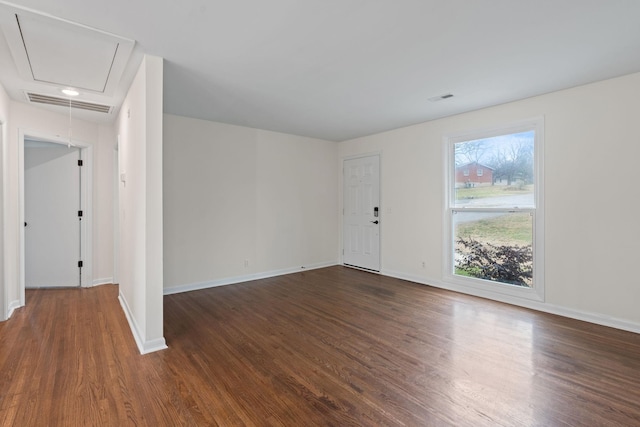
[52, 225]
[361, 220]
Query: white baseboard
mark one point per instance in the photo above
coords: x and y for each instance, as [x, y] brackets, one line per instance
[105, 281]
[247, 278]
[13, 305]
[143, 346]
[571, 313]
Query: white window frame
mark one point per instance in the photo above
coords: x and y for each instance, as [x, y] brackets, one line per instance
[483, 287]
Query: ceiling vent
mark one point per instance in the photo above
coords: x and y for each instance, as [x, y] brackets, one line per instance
[66, 102]
[440, 97]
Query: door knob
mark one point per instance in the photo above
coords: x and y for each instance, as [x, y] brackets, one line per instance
[375, 222]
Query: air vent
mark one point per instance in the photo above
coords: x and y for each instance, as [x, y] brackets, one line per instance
[65, 102]
[441, 97]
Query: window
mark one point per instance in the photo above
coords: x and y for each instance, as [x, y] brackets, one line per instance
[466, 172]
[494, 227]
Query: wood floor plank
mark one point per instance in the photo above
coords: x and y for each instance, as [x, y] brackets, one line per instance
[328, 347]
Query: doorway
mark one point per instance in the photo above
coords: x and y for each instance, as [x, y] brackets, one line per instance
[86, 202]
[361, 217]
[52, 214]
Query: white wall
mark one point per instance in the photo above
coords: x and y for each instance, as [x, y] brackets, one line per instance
[233, 193]
[139, 127]
[592, 146]
[4, 126]
[28, 119]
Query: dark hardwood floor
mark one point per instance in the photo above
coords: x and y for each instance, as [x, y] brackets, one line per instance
[334, 346]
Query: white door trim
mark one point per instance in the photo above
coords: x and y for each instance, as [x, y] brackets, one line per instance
[4, 306]
[87, 203]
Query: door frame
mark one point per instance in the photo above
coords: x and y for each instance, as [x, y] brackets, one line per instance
[4, 309]
[380, 201]
[86, 197]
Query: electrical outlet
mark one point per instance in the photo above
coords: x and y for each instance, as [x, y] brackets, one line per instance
[424, 264]
[246, 263]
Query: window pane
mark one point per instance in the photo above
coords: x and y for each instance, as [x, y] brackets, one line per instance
[496, 246]
[495, 172]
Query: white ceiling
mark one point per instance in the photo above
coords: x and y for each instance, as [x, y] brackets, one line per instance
[339, 69]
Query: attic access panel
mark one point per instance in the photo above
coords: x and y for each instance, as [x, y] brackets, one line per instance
[53, 51]
[66, 56]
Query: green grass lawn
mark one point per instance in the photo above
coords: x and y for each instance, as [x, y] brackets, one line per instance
[491, 191]
[510, 229]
